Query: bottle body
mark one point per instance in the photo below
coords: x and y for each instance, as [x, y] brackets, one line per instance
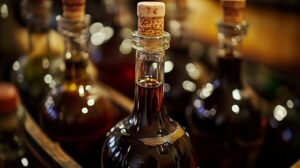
[40, 69]
[124, 146]
[78, 112]
[148, 137]
[13, 149]
[114, 57]
[281, 148]
[226, 129]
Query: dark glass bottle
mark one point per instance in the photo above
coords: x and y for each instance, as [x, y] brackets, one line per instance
[148, 137]
[36, 72]
[78, 113]
[226, 129]
[13, 152]
[282, 147]
[184, 69]
[111, 50]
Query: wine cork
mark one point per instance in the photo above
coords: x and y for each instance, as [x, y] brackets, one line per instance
[74, 10]
[151, 18]
[233, 11]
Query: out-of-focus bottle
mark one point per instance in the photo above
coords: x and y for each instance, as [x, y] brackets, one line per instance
[78, 113]
[13, 152]
[110, 46]
[282, 147]
[39, 70]
[148, 137]
[184, 69]
[227, 130]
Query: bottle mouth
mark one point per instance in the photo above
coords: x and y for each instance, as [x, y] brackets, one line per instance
[72, 28]
[232, 29]
[150, 43]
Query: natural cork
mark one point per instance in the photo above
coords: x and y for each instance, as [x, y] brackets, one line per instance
[233, 11]
[74, 10]
[151, 18]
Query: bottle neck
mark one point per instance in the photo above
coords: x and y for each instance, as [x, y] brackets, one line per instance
[229, 56]
[76, 56]
[149, 109]
[37, 16]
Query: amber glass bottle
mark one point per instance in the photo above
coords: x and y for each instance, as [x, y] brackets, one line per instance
[148, 137]
[39, 70]
[78, 113]
[226, 129]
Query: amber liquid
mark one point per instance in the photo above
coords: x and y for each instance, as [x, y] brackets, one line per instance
[123, 146]
[226, 130]
[78, 114]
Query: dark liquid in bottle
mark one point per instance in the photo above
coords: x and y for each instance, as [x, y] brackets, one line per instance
[114, 64]
[282, 148]
[226, 130]
[130, 142]
[78, 115]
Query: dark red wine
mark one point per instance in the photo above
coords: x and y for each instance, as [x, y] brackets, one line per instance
[226, 130]
[137, 140]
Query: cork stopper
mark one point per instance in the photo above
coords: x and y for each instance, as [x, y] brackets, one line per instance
[151, 18]
[74, 10]
[233, 11]
[8, 98]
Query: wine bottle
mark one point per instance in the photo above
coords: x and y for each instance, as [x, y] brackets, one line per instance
[36, 72]
[13, 151]
[78, 112]
[148, 137]
[226, 129]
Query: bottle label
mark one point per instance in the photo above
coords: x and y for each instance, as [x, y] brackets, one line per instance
[171, 138]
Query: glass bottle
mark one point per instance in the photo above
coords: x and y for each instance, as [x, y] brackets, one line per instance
[282, 148]
[227, 130]
[36, 72]
[111, 49]
[78, 112]
[13, 152]
[184, 68]
[148, 137]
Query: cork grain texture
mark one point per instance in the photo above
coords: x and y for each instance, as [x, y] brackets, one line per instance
[151, 18]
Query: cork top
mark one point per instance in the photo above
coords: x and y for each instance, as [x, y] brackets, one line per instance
[233, 11]
[151, 18]
[8, 98]
[74, 10]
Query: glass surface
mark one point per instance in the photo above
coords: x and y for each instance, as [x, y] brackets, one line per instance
[78, 113]
[39, 70]
[127, 144]
[148, 137]
[227, 130]
[282, 148]
[111, 49]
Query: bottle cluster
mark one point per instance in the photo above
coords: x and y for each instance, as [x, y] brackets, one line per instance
[189, 110]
